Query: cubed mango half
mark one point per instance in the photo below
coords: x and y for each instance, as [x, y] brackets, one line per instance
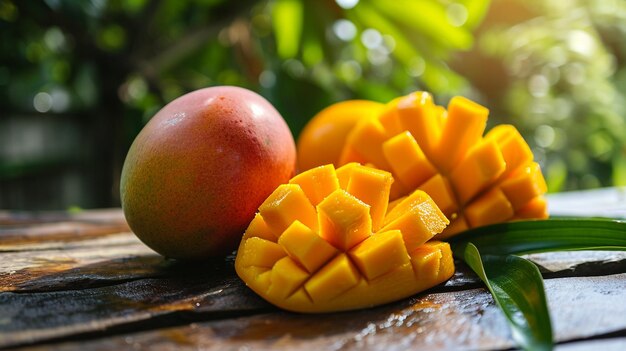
[474, 179]
[348, 251]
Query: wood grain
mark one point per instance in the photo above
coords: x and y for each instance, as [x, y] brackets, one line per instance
[464, 320]
[75, 281]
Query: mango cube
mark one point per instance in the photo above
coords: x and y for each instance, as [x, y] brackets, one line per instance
[285, 278]
[419, 221]
[306, 247]
[483, 164]
[427, 262]
[418, 115]
[371, 186]
[317, 183]
[261, 253]
[344, 220]
[535, 208]
[380, 253]
[344, 173]
[493, 207]
[407, 160]
[336, 277]
[259, 228]
[389, 117]
[463, 128]
[362, 143]
[285, 205]
[524, 185]
[440, 191]
[515, 151]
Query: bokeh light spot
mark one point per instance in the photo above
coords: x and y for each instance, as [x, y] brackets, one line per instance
[344, 29]
[581, 42]
[371, 38]
[456, 14]
[42, 102]
[267, 79]
[347, 4]
[538, 85]
[544, 135]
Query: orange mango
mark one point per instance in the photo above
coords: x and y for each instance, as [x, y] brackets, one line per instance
[322, 139]
[328, 241]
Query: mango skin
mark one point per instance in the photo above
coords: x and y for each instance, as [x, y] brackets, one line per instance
[195, 175]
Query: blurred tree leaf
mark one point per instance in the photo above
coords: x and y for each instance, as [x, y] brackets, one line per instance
[562, 92]
[287, 22]
[426, 18]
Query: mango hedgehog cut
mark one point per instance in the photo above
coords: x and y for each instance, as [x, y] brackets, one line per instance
[475, 179]
[329, 241]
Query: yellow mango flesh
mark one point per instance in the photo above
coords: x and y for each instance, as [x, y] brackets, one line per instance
[306, 247]
[474, 179]
[286, 204]
[359, 253]
[344, 220]
[317, 184]
[418, 218]
[463, 128]
[407, 160]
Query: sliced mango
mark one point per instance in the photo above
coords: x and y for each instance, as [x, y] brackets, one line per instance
[286, 204]
[286, 277]
[306, 247]
[344, 220]
[492, 207]
[371, 186]
[318, 184]
[418, 218]
[439, 188]
[261, 253]
[407, 160]
[463, 129]
[380, 253]
[337, 276]
[358, 254]
[483, 164]
[418, 115]
[524, 185]
[474, 179]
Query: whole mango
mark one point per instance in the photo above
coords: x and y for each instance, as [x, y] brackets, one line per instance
[195, 175]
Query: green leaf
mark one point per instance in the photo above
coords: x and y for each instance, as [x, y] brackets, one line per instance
[287, 18]
[516, 283]
[517, 288]
[547, 235]
[426, 18]
[619, 170]
[476, 11]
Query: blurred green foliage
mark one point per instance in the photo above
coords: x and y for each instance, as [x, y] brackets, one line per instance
[566, 88]
[554, 69]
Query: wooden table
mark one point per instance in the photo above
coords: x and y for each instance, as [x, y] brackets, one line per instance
[84, 282]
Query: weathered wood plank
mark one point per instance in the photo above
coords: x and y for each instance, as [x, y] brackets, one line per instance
[117, 260]
[87, 276]
[41, 236]
[607, 202]
[580, 263]
[103, 261]
[106, 215]
[555, 265]
[613, 344]
[204, 290]
[463, 320]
